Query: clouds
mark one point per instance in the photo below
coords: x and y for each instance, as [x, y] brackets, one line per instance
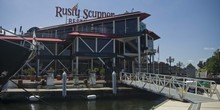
[209, 48]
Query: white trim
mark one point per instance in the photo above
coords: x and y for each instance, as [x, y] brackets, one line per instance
[138, 24]
[139, 54]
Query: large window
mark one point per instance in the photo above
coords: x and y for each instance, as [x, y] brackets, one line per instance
[97, 28]
[120, 27]
[108, 27]
[131, 25]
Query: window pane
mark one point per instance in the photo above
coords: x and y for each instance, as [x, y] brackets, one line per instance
[108, 28]
[131, 25]
[120, 27]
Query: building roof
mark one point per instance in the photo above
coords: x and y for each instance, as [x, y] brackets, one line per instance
[30, 39]
[141, 14]
[152, 34]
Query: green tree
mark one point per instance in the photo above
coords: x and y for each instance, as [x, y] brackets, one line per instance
[190, 66]
[213, 63]
[200, 64]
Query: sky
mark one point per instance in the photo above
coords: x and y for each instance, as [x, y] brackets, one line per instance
[189, 29]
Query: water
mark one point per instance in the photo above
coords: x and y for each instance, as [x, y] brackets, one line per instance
[100, 104]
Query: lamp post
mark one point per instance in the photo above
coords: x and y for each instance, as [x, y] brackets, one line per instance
[170, 60]
[179, 64]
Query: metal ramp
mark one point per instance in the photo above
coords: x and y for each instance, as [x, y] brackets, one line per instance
[193, 90]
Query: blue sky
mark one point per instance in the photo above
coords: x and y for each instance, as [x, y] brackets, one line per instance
[189, 29]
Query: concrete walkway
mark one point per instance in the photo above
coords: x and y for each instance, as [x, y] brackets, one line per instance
[177, 105]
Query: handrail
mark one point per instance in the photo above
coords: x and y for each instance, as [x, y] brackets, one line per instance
[182, 85]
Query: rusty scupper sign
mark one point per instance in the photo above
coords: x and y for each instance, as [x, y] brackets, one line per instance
[75, 15]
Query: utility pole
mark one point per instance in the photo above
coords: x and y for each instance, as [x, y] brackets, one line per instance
[170, 60]
[179, 64]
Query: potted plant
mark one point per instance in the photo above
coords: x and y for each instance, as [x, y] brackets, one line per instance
[94, 70]
[71, 74]
[30, 72]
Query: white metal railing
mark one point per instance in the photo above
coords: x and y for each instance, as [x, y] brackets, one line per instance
[182, 85]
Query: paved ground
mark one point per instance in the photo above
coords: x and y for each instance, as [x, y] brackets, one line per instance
[177, 105]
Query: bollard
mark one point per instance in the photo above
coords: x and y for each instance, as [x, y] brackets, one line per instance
[64, 84]
[114, 81]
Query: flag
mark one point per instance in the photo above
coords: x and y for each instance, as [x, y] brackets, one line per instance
[158, 49]
[75, 7]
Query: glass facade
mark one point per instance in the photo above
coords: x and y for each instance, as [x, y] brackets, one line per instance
[120, 27]
[123, 26]
[108, 27]
[131, 25]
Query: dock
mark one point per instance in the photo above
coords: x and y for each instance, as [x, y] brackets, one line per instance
[73, 91]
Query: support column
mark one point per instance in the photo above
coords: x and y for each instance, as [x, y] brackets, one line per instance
[147, 63]
[133, 67]
[71, 54]
[153, 64]
[139, 54]
[114, 59]
[124, 54]
[91, 66]
[77, 58]
[55, 68]
[38, 66]
[124, 61]
[38, 60]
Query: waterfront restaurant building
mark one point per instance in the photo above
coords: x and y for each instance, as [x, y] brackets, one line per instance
[120, 43]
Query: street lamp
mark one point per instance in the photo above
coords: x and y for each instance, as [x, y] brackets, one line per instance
[179, 64]
[170, 60]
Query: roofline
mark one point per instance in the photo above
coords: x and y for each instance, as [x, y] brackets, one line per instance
[142, 16]
[152, 34]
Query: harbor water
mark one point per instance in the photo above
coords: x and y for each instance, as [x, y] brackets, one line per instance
[137, 103]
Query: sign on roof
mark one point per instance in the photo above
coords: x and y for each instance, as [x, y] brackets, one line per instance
[80, 15]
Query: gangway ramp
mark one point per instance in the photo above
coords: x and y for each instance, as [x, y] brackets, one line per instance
[179, 88]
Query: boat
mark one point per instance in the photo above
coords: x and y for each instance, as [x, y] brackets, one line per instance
[12, 57]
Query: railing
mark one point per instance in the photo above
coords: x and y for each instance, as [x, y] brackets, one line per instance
[182, 85]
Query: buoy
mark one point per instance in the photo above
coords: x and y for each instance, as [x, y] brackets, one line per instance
[91, 97]
[34, 98]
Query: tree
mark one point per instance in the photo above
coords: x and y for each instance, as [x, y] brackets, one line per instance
[213, 63]
[190, 66]
[200, 64]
